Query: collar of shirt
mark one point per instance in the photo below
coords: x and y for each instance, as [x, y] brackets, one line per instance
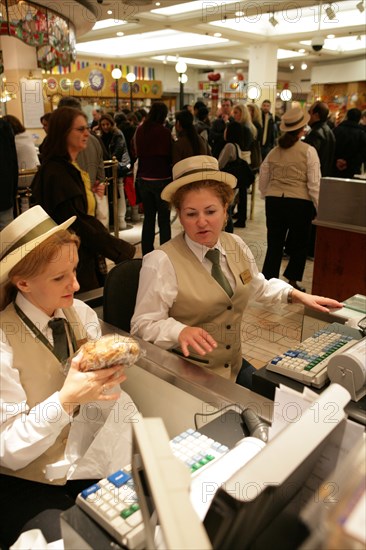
[38, 317]
[199, 250]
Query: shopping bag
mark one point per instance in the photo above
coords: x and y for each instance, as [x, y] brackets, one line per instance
[102, 210]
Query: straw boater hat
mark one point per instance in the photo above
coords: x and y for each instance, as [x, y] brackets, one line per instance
[294, 119]
[23, 234]
[197, 168]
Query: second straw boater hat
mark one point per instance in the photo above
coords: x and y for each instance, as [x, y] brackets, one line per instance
[197, 168]
[23, 234]
[294, 119]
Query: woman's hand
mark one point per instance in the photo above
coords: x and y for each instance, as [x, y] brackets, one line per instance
[99, 189]
[315, 302]
[199, 340]
[83, 387]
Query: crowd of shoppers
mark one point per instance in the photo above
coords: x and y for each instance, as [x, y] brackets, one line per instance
[147, 149]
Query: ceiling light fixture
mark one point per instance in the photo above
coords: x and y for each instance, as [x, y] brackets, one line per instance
[330, 35]
[302, 50]
[304, 66]
[360, 6]
[330, 12]
[292, 66]
[273, 20]
[109, 12]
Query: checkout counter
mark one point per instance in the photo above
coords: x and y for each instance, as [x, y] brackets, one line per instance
[340, 258]
[165, 385]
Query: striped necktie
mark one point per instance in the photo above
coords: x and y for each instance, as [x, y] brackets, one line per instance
[216, 271]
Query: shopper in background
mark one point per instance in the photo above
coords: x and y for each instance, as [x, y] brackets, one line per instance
[44, 121]
[289, 179]
[188, 142]
[232, 159]
[128, 129]
[216, 135]
[321, 136]
[115, 147]
[269, 129]
[203, 124]
[27, 156]
[24, 143]
[363, 120]
[90, 160]
[153, 142]
[350, 148]
[196, 107]
[322, 139]
[9, 173]
[255, 151]
[63, 189]
[241, 114]
[96, 114]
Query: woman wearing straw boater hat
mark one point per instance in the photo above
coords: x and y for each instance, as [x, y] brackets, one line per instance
[289, 179]
[194, 290]
[38, 400]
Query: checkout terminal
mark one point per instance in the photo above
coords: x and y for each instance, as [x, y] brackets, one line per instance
[239, 491]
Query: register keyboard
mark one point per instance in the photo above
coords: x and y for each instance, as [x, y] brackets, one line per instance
[307, 362]
[113, 502]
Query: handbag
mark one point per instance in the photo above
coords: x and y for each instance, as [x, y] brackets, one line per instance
[241, 170]
[256, 155]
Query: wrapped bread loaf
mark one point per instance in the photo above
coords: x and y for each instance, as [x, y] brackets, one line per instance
[109, 350]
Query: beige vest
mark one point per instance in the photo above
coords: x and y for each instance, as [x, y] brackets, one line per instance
[41, 375]
[288, 172]
[202, 302]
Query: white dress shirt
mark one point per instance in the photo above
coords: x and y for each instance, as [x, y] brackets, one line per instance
[158, 290]
[26, 434]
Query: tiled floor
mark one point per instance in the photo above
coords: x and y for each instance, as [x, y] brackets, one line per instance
[265, 331]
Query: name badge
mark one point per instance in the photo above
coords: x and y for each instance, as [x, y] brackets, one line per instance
[245, 277]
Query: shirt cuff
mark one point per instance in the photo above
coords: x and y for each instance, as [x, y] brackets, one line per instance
[52, 410]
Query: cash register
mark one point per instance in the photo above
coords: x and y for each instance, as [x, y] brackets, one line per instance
[245, 496]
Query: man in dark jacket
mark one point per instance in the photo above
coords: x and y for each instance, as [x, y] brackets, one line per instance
[321, 136]
[350, 150]
[322, 139]
[269, 134]
[216, 136]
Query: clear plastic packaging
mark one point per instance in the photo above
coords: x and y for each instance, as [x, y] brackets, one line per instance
[109, 350]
